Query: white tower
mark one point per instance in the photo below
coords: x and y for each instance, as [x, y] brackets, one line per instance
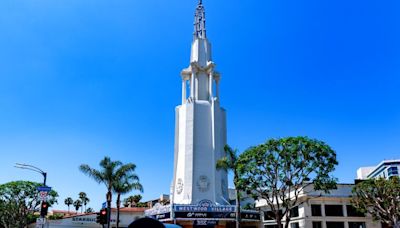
[200, 127]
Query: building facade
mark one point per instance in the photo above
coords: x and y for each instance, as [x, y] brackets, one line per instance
[385, 169]
[127, 216]
[317, 209]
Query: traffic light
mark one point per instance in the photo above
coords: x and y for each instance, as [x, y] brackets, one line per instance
[102, 217]
[44, 208]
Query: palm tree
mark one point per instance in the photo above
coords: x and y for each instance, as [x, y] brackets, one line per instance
[126, 182]
[107, 176]
[77, 204]
[126, 203]
[83, 197]
[68, 201]
[132, 200]
[229, 163]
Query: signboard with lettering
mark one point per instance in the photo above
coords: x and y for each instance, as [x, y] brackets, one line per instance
[253, 215]
[204, 206]
[205, 215]
[40, 221]
[205, 222]
[44, 189]
[205, 210]
[157, 209]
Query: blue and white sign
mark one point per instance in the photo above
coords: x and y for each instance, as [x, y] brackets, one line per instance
[44, 189]
[204, 206]
[104, 205]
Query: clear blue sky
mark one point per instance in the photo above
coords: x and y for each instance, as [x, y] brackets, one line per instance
[81, 79]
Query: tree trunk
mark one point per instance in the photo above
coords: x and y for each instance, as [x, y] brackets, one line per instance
[237, 208]
[287, 221]
[108, 196]
[118, 206]
[278, 220]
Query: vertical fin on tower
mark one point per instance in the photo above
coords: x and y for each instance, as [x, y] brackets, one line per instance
[200, 22]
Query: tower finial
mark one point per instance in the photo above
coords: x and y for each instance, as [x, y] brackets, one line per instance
[200, 22]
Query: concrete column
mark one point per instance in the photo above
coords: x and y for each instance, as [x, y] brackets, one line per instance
[183, 91]
[210, 86]
[323, 215]
[192, 79]
[217, 88]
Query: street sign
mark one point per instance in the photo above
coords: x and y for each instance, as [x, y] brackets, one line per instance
[40, 221]
[104, 205]
[43, 195]
[44, 188]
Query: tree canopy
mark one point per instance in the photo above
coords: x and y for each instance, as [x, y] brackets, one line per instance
[280, 169]
[18, 202]
[379, 197]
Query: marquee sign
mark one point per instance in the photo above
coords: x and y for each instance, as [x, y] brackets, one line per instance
[205, 210]
[204, 206]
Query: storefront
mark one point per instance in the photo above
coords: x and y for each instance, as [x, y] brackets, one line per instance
[204, 214]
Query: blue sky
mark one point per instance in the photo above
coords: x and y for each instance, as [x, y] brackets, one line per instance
[82, 79]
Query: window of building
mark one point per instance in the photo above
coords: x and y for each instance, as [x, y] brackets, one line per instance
[316, 224]
[316, 210]
[357, 225]
[393, 171]
[294, 225]
[270, 215]
[352, 212]
[294, 212]
[334, 224]
[333, 210]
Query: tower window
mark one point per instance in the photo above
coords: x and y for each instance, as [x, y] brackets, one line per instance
[393, 171]
[357, 225]
[333, 210]
[352, 212]
[316, 224]
[334, 224]
[316, 210]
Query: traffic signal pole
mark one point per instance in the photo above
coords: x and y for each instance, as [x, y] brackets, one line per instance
[35, 169]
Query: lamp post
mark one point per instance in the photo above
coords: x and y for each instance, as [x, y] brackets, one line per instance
[32, 168]
[35, 169]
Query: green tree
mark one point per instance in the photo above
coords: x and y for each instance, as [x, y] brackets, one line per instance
[229, 163]
[106, 175]
[68, 201]
[280, 169]
[83, 197]
[18, 202]
[126, 181]
[89, 210]
[379, 197]
[132, 201]
[77, 204]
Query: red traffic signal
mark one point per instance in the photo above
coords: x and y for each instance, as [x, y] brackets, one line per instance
[44, 208]
[102, 216]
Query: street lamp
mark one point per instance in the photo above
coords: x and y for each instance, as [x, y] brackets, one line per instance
[32, 168]
[35, 169]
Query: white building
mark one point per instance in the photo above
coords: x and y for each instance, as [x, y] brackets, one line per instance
[199, 192]
[385, 169]
[317, 209]
[200, 127]
[127, 216]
